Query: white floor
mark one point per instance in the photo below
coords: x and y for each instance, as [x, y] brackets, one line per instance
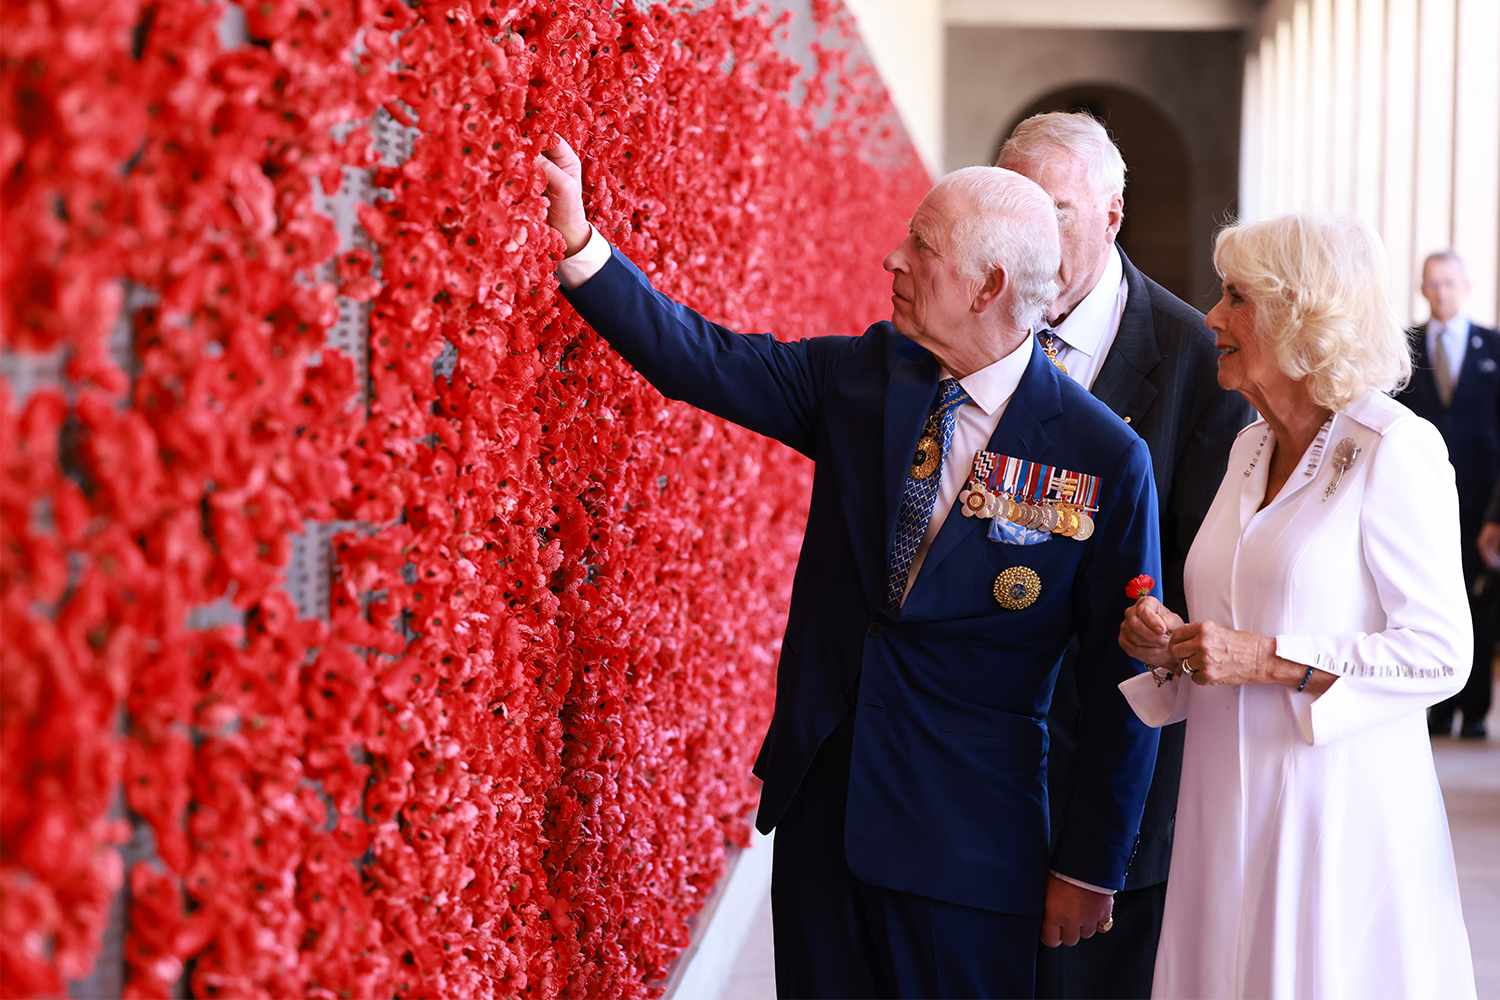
[1470, 773]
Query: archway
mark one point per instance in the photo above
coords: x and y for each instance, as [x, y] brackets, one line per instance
[1157, 232]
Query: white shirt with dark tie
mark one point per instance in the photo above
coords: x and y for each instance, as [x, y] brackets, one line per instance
[1446, 346]
[1089, 331]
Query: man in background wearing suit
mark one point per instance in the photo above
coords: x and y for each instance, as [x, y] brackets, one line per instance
[1148, 356]
[904, 769]
[1455, 383]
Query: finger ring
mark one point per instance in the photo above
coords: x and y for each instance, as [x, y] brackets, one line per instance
[1187, 667]
[1107, 926]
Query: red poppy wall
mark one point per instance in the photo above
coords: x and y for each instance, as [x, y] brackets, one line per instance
[370, 629]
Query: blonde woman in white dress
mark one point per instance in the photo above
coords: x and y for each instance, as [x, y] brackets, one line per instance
[1326, 612]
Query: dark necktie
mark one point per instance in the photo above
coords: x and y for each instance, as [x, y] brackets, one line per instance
[921, 488]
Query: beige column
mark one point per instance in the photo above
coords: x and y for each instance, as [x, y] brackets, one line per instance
[1301, 154]
[1343, 163]
[1369, 110]
[1323, 155]
[1476, 153]
[1400, 149]
[1251, 138]
[1432, 202]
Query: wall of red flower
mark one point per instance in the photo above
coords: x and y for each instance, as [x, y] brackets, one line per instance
[369, 628]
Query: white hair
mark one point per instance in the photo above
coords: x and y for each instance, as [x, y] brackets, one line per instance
[1077, 134]
[1006, 222]
[1318, 286]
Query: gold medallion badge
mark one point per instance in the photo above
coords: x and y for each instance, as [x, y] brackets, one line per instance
[1018, 588]
[925, 462]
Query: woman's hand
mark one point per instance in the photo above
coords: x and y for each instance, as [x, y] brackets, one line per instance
[1216, 654]
[1146, 633]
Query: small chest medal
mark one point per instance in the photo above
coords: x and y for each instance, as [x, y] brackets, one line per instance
[1033, 495]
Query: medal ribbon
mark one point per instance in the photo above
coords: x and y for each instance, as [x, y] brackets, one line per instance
[1023, 479]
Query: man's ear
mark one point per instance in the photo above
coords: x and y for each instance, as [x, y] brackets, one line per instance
[991, 291]
[1116, 215]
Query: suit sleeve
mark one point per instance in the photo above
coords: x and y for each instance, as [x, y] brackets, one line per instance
[753, 380]
[1492, 512]
[1116, 751]
[1424, 653]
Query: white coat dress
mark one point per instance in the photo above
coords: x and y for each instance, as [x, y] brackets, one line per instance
[1312, 859]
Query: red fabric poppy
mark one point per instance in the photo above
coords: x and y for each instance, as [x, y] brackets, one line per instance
[511, 757]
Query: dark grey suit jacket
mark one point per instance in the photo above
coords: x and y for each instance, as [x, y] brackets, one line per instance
[1161, 375]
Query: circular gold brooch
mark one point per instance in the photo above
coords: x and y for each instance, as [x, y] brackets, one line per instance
[925, 462]
[1017, 588]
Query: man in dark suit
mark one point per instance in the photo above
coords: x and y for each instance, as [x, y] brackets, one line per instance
[904, 769]
[1148, 356]
[1455, 383]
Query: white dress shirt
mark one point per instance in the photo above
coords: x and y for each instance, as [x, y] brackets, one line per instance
[1454, 335]
[1090, 329]
[974, 423]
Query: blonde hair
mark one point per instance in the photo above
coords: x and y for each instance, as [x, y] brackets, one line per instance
[1076, 133]
[1318, 286]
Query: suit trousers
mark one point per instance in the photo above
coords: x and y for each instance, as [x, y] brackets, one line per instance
[1117, 964]
[836, 936]
[1478, 692]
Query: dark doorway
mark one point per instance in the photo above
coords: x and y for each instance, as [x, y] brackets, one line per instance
[1158, 177]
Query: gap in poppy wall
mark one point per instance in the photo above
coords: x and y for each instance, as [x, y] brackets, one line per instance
[370, 628]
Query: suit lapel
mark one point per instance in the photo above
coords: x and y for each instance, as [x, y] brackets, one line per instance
[1021, 433]
[1423, 385]
[909, 397]
[1123, 383]
[1475, 352]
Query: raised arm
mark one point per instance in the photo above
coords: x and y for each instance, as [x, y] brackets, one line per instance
[756, 381]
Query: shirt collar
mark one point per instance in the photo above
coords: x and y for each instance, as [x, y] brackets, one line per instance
[1458, 324]
[1090, 321]
[992, 386]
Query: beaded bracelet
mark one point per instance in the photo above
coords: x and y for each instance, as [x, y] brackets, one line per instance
[1307, 676]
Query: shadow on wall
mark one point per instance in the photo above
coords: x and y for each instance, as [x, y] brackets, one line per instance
[1157, 230]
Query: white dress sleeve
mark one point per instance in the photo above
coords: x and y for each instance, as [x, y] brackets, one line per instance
[1409, 538]
[1155, 704]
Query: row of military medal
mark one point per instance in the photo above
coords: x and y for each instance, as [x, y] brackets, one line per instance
[1057, 518]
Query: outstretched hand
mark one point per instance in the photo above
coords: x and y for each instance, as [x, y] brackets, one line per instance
[565, 193]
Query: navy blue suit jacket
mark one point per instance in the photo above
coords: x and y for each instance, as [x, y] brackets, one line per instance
[1470, 424]
[947, 783]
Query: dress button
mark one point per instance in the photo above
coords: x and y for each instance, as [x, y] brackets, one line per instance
[874, 629]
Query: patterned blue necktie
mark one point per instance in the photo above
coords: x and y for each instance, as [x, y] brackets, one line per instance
[918, 495]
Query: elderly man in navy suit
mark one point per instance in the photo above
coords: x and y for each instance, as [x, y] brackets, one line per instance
[973, 513]
[1455, 383]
